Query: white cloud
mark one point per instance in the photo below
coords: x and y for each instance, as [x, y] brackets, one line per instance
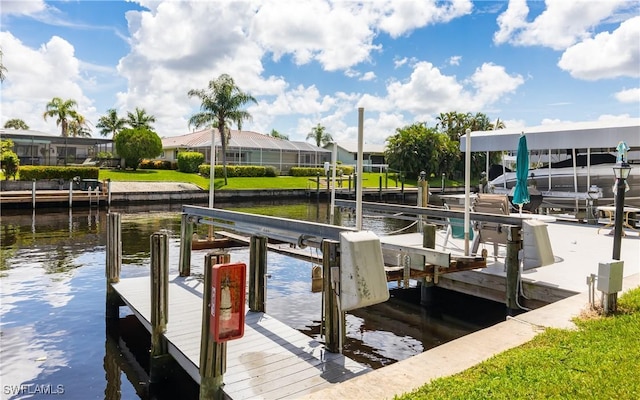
[455, 60]
[618, 54]
[492, 82]
[403, 16]
[21, 7]
[628, 95]
[29, 87]
[368, 76]
[562, 24]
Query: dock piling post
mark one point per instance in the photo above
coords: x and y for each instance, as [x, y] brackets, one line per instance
[257, 273]
[186, 240]
[113, 266]
[213, 355]
[70, 193]
[33, 194]
[511, 262]
[427, 287]
[160, 357]
[334, 318]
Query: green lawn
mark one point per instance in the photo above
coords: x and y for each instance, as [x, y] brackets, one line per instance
[279, 182]
[600, 360]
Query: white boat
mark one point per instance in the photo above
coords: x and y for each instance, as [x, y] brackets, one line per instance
[576, 161]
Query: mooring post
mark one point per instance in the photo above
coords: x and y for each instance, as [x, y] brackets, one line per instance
[33, 193]
[159, 306]
[109, 192]
[257, 273]
[70, 193]
[213, 355]
[380, 187]
[427, 287]
[186, 241]
[113, 265]
[514, 244]
[334, 319]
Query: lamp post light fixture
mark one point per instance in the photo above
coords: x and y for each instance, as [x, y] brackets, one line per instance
[621, 171]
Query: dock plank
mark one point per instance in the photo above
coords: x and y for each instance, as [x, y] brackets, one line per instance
[271, 360]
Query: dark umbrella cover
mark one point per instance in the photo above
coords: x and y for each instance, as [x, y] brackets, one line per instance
[521, 191]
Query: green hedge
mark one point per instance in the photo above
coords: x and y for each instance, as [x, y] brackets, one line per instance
[235, 171]
[29, 172]
[158, 164]
[305, 171]
[189, 161]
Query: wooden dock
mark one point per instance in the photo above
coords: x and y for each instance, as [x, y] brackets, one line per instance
[271, 360]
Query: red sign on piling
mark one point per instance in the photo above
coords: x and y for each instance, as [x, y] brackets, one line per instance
[228, 292]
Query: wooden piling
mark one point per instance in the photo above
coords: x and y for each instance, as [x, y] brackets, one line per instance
[159, 306]
[427, 287]
[71, 193]
[257, 273]
[186, 241]
[113, 265]
[514, 244]
[334, 318]
[213, 355]
[33, 194]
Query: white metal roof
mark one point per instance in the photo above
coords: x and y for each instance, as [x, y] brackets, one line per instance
[581, 135]
[239, 139]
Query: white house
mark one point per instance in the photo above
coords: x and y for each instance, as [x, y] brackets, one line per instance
[372, 154]
[248, 148]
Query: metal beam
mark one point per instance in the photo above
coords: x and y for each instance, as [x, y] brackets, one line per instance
[301, 233]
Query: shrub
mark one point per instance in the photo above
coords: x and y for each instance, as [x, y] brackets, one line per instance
[103, 155]
[29, 172]
[189, 161]
[156, 164]
[270, 171]
[236, 171]
[136, 144]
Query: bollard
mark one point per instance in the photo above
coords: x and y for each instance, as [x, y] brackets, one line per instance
[257, 273]
[514, 244]
[334, 319]
[213, 355]
[160, 358]
[186, 241]
[33, 194]
[70, 193]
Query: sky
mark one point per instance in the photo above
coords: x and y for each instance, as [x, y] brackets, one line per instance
[310, 62]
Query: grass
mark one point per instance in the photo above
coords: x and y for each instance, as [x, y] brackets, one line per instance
[370, 179]
[599, 360]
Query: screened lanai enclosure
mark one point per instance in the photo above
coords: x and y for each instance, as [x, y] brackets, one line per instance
[248, 148]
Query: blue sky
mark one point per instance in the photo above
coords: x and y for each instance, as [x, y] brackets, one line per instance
[314, 61]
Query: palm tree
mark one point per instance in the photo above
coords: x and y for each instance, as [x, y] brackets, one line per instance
[63, 110]
[2, 68]
[16, 123]
[221, 104]
[110, 123]
[274, 133]
[319, 135]
[140, 119]
[499, 125]
[79, 127]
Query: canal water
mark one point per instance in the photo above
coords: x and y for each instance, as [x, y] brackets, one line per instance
[52, 300]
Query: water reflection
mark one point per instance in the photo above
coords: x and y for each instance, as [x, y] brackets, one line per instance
[53, 292]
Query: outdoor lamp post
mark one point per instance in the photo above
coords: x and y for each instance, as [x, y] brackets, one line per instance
[621, 171]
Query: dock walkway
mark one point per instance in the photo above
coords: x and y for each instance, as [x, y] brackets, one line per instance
[271, 360]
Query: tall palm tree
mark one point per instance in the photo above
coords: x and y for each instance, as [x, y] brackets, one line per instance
[221, 105]
[110, 123]
[79, 127]
[499, 125]
[140, 119]
[319, 135]
[16, 123]
[63, 110]
[2, 68]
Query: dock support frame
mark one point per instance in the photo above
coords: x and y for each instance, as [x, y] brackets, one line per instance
[186, 241]
[213, 355]
[512, 267]
[334, 317]
[428, 286]
[159, 358]
[113, 266]
[257, 273]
